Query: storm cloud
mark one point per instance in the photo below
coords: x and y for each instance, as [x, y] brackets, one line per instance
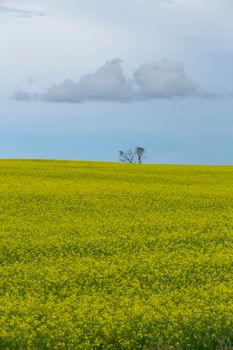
[158, 80]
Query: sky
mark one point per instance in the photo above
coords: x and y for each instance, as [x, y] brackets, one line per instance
[85, 79]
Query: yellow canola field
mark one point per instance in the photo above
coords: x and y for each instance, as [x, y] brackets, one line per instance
[115, 256]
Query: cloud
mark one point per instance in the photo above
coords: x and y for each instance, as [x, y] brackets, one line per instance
[25, 96]
[164, 79]
[108, 83]
[21, 13]
[31, 81]
[159, 80]
[67, 91]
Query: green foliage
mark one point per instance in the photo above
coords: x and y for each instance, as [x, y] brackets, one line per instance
[113, 256]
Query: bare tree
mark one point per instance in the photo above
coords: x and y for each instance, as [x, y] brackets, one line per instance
[132, 156]
[139, 154]
[127, 156]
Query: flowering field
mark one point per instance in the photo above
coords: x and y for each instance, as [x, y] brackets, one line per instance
[115, 256]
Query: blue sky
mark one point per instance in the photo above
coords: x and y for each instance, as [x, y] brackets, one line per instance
[83, 79]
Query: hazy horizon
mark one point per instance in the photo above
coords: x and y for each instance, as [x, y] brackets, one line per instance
[81, 81]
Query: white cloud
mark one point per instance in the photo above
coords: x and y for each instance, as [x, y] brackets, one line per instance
[21, 12]
[25, 96]
[67, 91]
[108, 83]
[162, 79]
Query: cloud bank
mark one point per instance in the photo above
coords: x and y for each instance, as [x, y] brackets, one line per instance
[158, 80]
[21, 13]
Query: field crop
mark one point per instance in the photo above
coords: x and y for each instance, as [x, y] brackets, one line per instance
[115, 256]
